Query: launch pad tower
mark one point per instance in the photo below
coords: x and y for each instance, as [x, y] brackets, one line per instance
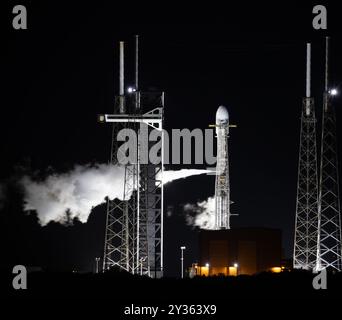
[317, 243]
[305, 241]
[134, 226]
[329, 254]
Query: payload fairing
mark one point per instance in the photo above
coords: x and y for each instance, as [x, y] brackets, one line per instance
[222, 188]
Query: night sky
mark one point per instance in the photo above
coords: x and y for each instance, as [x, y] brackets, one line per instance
[63, 71]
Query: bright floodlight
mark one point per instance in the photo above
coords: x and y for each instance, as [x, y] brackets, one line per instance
[235, 265]
[101, 118]
[333, 92]
[130, 89]
[207, 265]
[183, 248]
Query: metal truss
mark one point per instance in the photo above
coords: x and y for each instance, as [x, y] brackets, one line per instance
[120, 233]
[306, 225]
[329, 253]
[134, 228]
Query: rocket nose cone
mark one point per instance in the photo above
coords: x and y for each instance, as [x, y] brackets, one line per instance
[222, 114]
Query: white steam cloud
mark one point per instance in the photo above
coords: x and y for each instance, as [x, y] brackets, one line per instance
[171, 175]
[64, 197]
[201, 214]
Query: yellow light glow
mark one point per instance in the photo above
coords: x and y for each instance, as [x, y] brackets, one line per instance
[204, 271]
[276, 269]
[233, 271]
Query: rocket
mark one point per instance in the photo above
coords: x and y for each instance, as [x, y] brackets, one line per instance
[222, 187]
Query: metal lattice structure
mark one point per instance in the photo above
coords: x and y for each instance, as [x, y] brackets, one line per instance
[134, 226]
[121, 233]
[151, 224]
[138, 226]
[306, 224]
[305, 243]
[329, 254]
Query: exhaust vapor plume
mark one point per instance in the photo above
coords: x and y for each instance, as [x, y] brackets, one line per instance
[171, 175]
[63, 197]
[202, 214]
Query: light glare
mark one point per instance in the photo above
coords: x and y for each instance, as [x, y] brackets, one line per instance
[333, 92]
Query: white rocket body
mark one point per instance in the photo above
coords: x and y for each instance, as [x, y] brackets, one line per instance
[222, 188]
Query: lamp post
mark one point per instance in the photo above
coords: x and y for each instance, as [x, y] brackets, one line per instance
[97, 264]
[182, 260]
[208, 265]
[142, 259]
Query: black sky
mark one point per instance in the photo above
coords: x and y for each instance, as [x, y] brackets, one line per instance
[62, 71]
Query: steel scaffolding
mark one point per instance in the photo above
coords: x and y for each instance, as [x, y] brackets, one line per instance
[306, 224]
[329, 253]
[134, 226]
